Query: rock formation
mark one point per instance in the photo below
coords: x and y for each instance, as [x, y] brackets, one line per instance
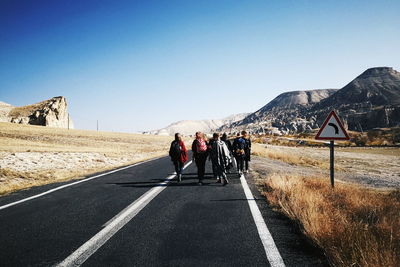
[372, 100]
[51, 113]
[284, 114]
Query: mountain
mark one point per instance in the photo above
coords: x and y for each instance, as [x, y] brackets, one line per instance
[51, 113]
[283, 114]
[189, 127]
[369, 101]
[374, 87]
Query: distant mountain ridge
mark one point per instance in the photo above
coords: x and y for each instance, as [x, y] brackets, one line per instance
[189, 127]
[371, 100]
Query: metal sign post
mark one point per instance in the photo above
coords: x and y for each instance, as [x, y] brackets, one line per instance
[332, 129]
[332, 160]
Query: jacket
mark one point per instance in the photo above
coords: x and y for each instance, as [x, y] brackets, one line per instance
[247, 148]
[220, 154]
[183, 157]
[228, 144]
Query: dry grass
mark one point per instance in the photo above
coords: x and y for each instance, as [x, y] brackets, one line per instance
[29, 138]
[96, 151]
[25, 111]
[293, 158]
[355, 226]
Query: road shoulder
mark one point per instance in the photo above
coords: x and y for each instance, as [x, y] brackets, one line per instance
[294, 247]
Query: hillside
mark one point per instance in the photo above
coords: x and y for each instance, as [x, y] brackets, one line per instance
[283, 114]
[371, 100]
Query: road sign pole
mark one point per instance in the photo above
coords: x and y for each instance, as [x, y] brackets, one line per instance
[332, 145]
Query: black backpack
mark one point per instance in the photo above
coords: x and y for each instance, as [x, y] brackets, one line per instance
[239, 146]
[176, 150]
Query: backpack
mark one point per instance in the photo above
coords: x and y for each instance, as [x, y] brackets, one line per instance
[201, 146]
[240, 146]
[176, 150]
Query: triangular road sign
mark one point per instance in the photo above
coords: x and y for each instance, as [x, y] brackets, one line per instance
[332, 129]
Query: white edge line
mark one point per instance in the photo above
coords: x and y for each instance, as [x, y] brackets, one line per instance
[273, 255]
[80, 255]
[71, 184]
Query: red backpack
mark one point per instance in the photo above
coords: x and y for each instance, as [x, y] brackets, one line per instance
[201, 145]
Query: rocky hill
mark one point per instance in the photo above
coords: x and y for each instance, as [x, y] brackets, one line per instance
[371, 100]
[189, 127]
[283, 114]
[51, 113]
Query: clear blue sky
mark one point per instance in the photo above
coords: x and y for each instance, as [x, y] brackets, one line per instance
[140, 65]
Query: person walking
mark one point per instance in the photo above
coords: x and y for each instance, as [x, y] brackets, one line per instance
[209, 148]
[178, 154]
[228, 143]
[199, 149]
[247, 150]
[239, 153]
[220, 157]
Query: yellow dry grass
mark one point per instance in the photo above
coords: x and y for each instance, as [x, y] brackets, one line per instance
[355, 226]
[29, 138]
[293, 158]
[124, 148]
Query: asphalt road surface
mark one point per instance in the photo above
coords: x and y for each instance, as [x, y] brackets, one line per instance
[140, 216]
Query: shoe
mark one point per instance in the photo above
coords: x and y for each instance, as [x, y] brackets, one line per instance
[225, 182]
[218, 181]
[200, 183]
[179, 178]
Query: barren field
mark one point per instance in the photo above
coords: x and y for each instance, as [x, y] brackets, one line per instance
[375, 167]
[357, 223]
[37, 155]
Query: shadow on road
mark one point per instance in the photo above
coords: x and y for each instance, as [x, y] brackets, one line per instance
[159, 182]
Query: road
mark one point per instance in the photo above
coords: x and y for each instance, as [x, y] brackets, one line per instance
[140, 216]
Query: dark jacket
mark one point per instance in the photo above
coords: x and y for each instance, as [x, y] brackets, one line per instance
[247, 148]
[183, 156]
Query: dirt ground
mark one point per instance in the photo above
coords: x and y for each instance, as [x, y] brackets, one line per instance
[373, 167]
[37, 155]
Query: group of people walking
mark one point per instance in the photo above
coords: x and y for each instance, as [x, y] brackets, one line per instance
[219, 150]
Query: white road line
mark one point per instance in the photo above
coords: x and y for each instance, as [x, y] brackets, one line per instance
[71, 184]
[273, 255]
[80, 255]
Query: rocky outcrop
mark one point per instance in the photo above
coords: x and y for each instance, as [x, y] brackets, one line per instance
[51, 113]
